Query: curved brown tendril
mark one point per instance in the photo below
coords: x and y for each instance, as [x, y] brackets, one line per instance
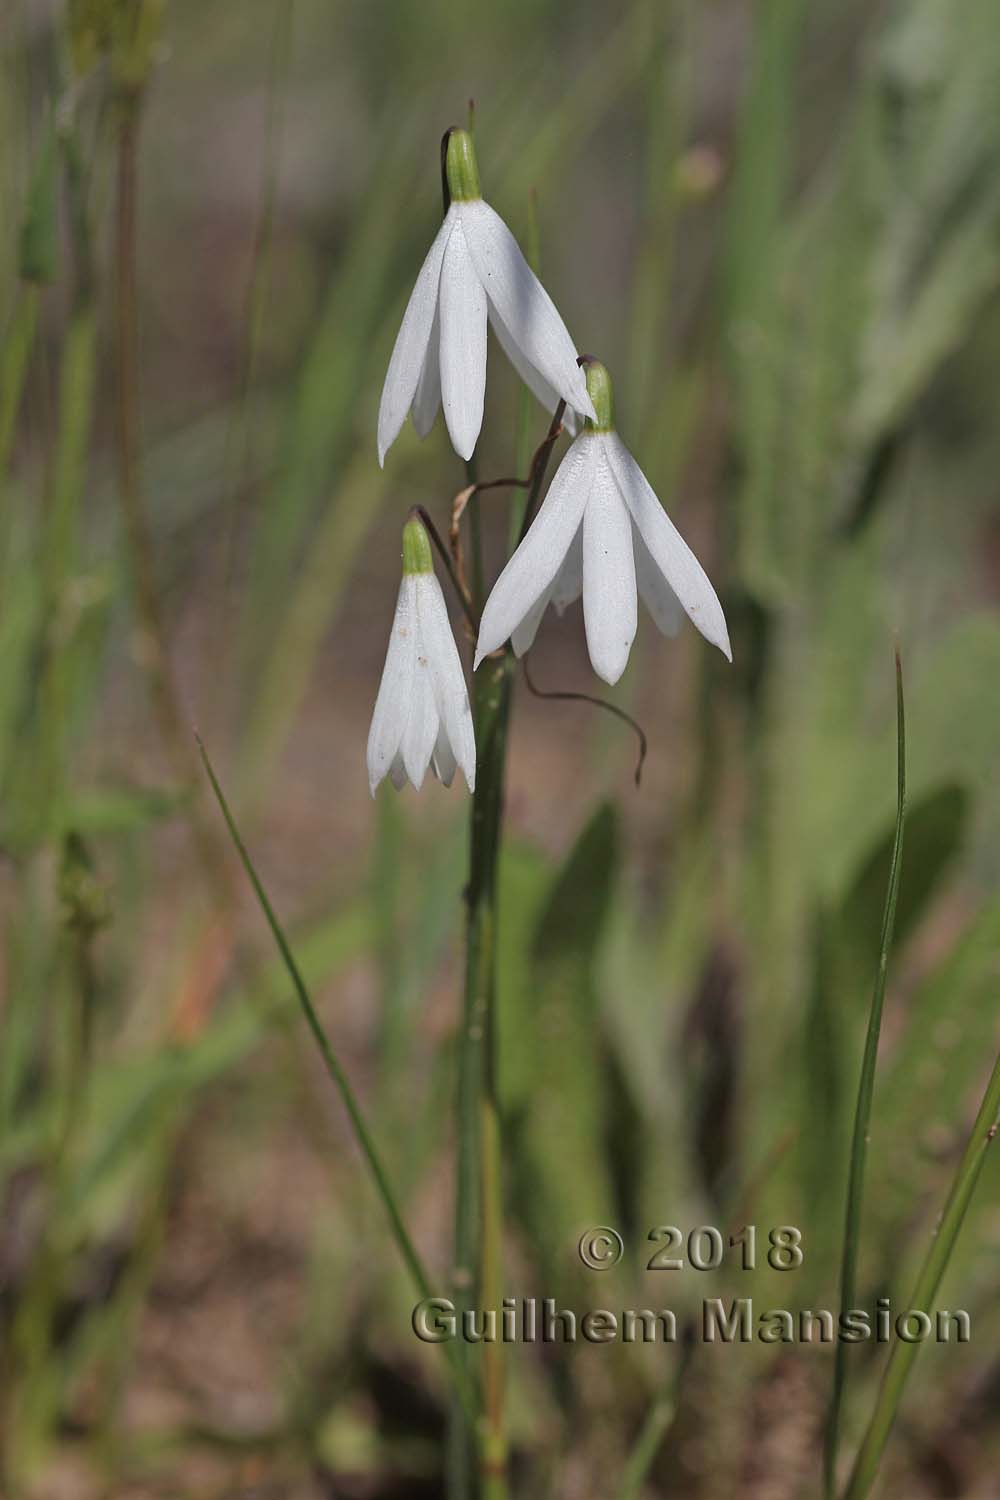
[458, 506]
[611, 708]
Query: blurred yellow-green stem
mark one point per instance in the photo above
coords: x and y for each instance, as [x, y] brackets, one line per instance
[17, 349]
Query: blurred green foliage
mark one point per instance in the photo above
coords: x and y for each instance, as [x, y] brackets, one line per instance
[779, 225]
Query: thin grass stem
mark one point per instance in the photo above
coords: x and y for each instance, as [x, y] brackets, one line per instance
[925, 1292]
[863, 1111]
[336, 1073]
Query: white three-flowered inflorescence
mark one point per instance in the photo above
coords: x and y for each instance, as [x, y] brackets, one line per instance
[422, 716]
[600, 530]
[474, 273]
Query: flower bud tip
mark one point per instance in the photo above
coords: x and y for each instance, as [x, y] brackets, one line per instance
[600, 393]
[416, 549]
[461, 170]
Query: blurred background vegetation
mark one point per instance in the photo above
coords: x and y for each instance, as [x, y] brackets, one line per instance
[779, 225]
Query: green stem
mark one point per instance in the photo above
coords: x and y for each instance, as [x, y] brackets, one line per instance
[492, 694]
[59, 561]
[925, 1292]
[460, 1459]
[479, 1175]
[862, 1115]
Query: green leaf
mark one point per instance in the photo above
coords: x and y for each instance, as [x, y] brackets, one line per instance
[935, 830]
[561, 1144]
[573, 919]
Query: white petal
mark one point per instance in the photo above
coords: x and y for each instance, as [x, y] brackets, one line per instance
[397, 772]
[522, 637]
[539, 387]
[667, 548]
[451, 695]
[427, 398]
[392, 706]
[609, 599]
[443, 763]
[655, 592]
[423, 724]
[564, 588]
[523, 305]
[463, 345]
[568, 585]
[408, 352]
[537, 560]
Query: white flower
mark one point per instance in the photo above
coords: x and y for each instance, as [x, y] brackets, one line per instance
[602, 532]
[474, 273]
[422, 716]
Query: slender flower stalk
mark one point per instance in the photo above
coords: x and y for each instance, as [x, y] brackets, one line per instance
[474, 274]
[602, 532]
[479, 1184]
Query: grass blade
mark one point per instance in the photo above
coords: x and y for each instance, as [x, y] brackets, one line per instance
[866, 1088]
[399, 1232]
[656, 1427]
[925, 1292]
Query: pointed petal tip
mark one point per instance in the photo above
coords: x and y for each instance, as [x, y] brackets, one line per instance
[719, 636]
[715, 633]
[609, 672]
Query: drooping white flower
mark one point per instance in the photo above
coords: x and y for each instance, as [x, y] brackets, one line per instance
[422, 716]
[602, 532]
[474, 273]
